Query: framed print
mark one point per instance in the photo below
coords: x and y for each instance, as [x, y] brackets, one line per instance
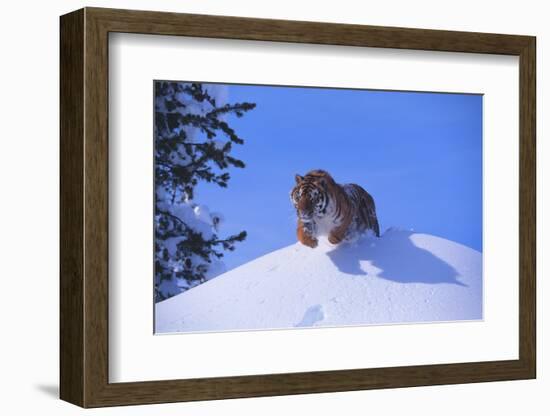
[255, 207]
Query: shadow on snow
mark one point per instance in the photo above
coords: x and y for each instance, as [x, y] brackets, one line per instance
[397, 257]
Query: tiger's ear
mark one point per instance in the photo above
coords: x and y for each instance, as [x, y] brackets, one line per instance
[299, 179]
[323, 182]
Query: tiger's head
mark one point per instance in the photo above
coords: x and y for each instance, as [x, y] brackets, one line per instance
[310, 195]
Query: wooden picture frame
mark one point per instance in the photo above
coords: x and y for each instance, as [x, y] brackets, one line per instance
[84, 207]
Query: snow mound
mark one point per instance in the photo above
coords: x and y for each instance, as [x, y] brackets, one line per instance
[401, 277]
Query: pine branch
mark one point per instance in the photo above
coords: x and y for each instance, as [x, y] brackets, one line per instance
[180, 165]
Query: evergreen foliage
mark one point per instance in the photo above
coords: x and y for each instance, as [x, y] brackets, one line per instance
[193, 143]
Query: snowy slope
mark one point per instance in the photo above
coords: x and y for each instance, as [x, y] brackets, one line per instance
[401, 277]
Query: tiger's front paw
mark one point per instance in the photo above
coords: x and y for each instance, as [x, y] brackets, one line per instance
[310, 242]
[334, 238]
[306, 239]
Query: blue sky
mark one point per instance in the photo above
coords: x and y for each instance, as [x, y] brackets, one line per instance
[418, 154]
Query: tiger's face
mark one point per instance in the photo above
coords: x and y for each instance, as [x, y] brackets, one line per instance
[309, 197]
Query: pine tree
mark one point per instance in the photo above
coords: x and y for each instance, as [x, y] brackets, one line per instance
[193, 142]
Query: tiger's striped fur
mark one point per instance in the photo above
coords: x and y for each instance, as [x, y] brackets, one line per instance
[324, 207]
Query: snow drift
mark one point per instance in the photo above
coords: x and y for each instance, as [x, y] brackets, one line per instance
[398, 278]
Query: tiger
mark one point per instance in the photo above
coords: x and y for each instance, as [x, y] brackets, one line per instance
[326, 208]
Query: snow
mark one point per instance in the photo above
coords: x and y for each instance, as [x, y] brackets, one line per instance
[402, 277]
